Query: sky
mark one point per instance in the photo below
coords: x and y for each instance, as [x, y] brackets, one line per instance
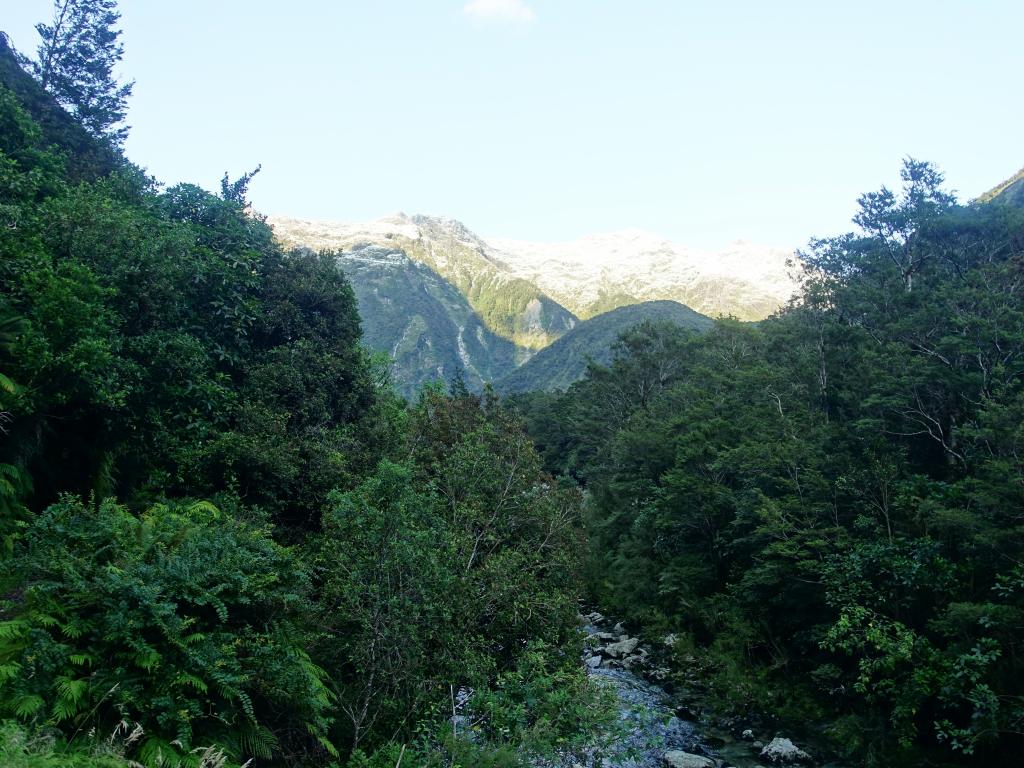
[705, 122]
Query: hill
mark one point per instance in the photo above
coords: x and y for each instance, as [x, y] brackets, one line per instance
[1010, 191]
[422, 322]
[508, 305]
[85, 158]
[565, 361]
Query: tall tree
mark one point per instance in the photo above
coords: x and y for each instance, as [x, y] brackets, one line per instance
[75, 62]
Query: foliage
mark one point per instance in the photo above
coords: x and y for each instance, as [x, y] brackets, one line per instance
[437, 571]
[826, 502]
[181, 620]
[75, 63]
[360, 558]
[565, 360]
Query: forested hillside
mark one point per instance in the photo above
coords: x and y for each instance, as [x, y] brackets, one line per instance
[229, 540]
[224, 538]
[422, 324]
[826, 507]
[566, 360]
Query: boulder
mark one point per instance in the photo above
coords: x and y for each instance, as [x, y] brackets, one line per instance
[593, 661]
[677, 759]
[782, 751]
[747, 735]
[618, 629]
[622, 648]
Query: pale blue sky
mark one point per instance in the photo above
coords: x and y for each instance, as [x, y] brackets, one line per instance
[549, 119]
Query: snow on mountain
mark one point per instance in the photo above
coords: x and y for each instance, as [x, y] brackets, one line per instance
[588, 276]
[599, 272]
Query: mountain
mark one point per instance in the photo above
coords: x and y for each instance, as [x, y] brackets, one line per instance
[440, 299]
[601, 272]
[423, 322]
[565, 361]
[1010, 192]
[508, 305]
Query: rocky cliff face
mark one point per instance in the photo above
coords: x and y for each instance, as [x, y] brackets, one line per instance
[422, 322]
[508, 305]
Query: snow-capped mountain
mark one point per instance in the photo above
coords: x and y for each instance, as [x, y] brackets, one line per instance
[510, 306]
[600, 272]
[443, 302]
[587, 276]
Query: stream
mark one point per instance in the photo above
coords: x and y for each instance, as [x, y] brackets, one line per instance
[653, 735]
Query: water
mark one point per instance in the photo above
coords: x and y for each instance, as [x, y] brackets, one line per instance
[648, 725]
[649, 728]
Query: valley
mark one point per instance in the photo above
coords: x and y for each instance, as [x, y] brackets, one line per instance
[494, 312]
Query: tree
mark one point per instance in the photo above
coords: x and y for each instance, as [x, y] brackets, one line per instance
[76, 59]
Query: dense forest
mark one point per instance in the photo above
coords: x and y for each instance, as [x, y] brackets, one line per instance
[227, 541]
[224, 537]
[828, 506]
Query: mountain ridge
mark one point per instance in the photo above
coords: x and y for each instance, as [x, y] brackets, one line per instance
[585, 277]
[508, 305]
[566, 360]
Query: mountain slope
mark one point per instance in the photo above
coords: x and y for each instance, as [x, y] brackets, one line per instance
[422, 321]
[86, 158]
[1010, 192]
[601, 272]
[509, 305]
[565, 361]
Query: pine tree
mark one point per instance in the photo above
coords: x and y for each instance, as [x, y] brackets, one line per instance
[76, 59]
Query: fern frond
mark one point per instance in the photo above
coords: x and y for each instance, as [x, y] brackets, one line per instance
[14, 629]
[204, 506]
[257, 740]
[9, 671]
[192, 681]
[147, 659]
[27, 704]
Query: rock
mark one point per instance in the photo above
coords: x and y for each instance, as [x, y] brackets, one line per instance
[782, 751]
[593, 661]
[622, 648]
[618, 629]
[757, 745]
[595, 617]
[629, 662]
[747, 735]
[677, 759]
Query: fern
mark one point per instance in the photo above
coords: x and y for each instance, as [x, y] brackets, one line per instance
[27, 704]
[9, 671]
[14, 629]
[256, 740]
[147, 659]
[192, 681]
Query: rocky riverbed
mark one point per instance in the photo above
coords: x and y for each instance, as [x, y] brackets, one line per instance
[656, 732]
